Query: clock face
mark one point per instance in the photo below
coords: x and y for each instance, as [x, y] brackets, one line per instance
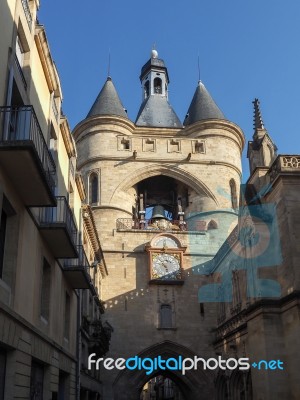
[166, 266]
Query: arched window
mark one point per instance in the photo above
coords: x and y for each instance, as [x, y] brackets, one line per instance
[241, 386]
[165, 316]
[233, 193]
[146, 89]
[212, 225]
[157, 86]
[94, 189]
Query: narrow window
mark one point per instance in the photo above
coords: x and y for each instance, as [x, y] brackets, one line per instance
[36, 381]
[45, 290]
[157, 86]
[67, 316]
[9, 232]
[165, 316]
[233, 193]
[63, 386]
[199, 147]
[2, 372]
[2, 239]
[221, 305]
[125, 144]
[94, 189]
[146, 90]
[236, 298]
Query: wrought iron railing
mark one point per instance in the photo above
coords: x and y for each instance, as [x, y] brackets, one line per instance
[81, 261]
[19, 126]
[59, 215]
[151, 224]
[27, 13]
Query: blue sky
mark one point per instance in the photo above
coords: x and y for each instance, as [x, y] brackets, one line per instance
[247, 49]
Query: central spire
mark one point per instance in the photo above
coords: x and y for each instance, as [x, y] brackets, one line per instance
[154, 77]
[155, 110]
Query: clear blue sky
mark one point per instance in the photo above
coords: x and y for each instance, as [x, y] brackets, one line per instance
[247, 49]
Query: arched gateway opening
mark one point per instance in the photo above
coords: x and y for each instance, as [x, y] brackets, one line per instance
[161, 388]
[194, 385]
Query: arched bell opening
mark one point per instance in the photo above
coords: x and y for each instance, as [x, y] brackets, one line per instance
[160, 195]
[157, 86]
[162, 201]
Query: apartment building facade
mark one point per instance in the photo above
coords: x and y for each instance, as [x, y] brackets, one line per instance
[51, 262]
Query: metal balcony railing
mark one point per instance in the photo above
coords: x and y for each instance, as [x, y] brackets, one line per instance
[151, 224]
[19, 127]
[61, 215]
[81, 261]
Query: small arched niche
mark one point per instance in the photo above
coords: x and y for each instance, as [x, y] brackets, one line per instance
[212, 225]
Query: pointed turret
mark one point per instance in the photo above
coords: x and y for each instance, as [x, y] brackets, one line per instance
[202, 107]
[262, 150]
[108, 102]
[155, 110]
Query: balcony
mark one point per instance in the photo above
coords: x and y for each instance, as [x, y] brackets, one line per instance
[288, 165]
[125, 224]
[25, 156]
[58, 228]
[76, 270]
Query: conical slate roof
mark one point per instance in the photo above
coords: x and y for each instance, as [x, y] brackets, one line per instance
[202, 107]
[156, 111]
[108, 102]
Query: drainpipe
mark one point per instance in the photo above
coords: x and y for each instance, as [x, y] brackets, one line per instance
[78, 345]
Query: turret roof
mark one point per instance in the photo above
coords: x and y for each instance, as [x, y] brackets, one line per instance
[108, 102]
[202, 107]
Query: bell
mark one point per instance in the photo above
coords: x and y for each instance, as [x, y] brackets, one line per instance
[158, 212]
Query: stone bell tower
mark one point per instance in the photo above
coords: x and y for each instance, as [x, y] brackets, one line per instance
[164, 197]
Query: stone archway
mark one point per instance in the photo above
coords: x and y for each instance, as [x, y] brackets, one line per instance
[166, 170]
[194, 385]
